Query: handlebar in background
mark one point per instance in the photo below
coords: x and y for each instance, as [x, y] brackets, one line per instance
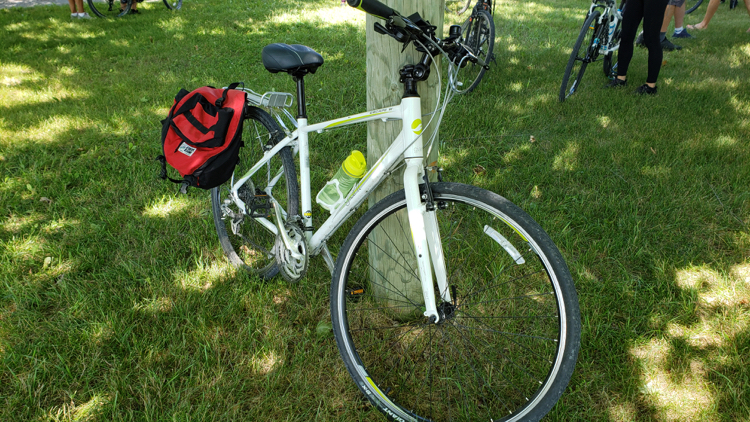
[373, 7]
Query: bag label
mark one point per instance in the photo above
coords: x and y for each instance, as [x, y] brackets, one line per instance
[186, 149]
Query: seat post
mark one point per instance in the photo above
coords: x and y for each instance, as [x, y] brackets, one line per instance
[301, 104]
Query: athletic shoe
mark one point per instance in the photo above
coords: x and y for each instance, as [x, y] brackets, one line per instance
[667, 45]
[616, 83]
[639, 40]
[84, 16]
[683, 34]
[645, 89]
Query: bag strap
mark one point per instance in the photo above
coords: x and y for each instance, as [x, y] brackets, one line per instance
[183, 183]
[220, 101]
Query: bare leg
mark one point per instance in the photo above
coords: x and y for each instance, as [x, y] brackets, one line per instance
[79, 6]
[713, 6]
[679, 16]
[73, 6]
[670, 10]
[747, 6]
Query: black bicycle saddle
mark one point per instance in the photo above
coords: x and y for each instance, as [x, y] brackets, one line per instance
[295, 59]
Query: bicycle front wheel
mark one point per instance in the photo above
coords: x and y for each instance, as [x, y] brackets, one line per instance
[692, 5]
[478, 33]
[248, 238]
[507, 342]
[173, 4]
[109, 8]
[584, 52]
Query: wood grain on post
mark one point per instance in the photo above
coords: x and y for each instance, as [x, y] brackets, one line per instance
[384, 59]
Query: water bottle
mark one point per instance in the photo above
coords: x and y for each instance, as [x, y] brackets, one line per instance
[335, 191]
[612, 25]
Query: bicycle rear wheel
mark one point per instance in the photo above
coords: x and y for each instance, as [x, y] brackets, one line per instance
[478, 36]
[173, 4]
[109, 8]
[507, 342]
[246, 241]
[584, 52]
[692, 5]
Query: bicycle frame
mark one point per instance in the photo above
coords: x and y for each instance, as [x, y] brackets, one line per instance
[610, 16]
[408, 146]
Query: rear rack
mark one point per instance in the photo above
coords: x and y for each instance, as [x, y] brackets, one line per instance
[269, 99]
[276, 103]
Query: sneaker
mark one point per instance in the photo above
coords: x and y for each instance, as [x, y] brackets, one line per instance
[667, 45]
[616, 83]
[84, 15]
[645, 89]
[639, 41]
[138, 12]
[683, 34]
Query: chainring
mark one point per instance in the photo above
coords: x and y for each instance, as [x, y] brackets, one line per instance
[292, 269]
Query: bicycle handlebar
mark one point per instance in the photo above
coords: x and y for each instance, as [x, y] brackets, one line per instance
[373, 7]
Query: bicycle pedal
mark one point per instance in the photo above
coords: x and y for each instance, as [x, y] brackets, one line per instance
[260, 205]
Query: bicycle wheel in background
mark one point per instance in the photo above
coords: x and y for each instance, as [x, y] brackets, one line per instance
[610, 60]
[247, 243]
[507, 342]
[173, 4]
[478, 36]
[583, 53]
[692, 5]
[109, 8]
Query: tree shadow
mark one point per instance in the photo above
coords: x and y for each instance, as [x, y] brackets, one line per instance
[137, 315]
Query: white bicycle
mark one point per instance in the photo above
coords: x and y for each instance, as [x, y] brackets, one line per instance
[448, 302]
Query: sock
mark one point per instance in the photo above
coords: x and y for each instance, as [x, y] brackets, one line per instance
[678, 30]
[80, 14]
[662, 36]
[74, 15]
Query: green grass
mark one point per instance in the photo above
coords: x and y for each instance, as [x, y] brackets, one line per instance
[116, 302]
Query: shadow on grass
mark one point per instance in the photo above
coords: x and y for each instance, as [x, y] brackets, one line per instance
[136, 314]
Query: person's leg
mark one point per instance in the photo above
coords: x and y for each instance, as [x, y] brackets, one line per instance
[668, 13]
[679, 16]
[653, 16]
[747, 6]
[630, 20]
[73, 6]
[79, 6]
[713, 6]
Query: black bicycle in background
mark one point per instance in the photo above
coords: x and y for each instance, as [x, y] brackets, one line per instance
[691, 5]
[478, 34]
[117, 8]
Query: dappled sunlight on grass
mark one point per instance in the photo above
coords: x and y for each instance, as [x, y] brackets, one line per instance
[567, 159]
[740, 56]
[266, 362]
[678, 367]
[154, 305]
[657, 171]
[714, 289]
[322, 17]
[623, 411]
[204, 276]
[12, 74]
[166, 206]
[87, 411]
[685, 398]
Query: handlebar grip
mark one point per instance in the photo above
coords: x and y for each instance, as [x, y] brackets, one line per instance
[373, 7]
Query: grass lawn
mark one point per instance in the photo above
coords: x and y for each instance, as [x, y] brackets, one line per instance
[116, 302]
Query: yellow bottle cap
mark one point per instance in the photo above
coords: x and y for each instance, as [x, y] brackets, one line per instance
[355, 165]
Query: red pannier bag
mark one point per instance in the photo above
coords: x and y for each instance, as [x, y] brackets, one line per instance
[202, 135]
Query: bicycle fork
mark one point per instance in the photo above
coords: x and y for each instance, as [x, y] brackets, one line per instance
[425, 232]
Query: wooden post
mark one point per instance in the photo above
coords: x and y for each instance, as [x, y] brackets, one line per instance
[384, 59]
